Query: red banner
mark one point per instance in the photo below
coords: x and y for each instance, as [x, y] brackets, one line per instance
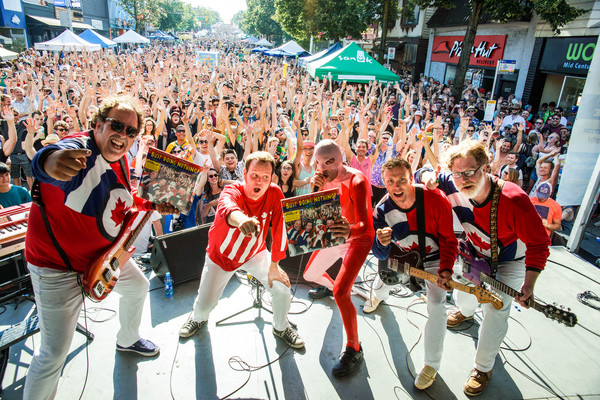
[486, 50]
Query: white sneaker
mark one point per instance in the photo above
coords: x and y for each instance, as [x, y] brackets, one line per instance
[425, 378]
[371, 304]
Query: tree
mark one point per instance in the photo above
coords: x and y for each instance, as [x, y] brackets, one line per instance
[239, 18]
[143, 12]
[259, 20]
[208, 16]
[556, 12]
[334, 18]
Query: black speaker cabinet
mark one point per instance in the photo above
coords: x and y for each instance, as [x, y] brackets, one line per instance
[181, 253]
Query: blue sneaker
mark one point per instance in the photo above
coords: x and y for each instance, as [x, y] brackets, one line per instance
[143, 347]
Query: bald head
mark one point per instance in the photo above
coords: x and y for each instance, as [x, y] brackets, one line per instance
[328, 148]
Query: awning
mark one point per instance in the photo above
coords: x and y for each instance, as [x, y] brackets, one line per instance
[56, 22]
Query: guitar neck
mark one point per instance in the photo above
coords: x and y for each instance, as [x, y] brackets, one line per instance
[136, 232]
[419, 273]
[504, 288]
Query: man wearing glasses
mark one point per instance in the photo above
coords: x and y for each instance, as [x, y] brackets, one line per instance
[553, 124]
[522, 245]
[85, 187]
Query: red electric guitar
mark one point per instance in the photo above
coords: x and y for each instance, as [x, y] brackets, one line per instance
[100, 278]
[478, 271]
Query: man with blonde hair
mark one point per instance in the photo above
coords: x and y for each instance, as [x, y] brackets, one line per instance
[522, 244]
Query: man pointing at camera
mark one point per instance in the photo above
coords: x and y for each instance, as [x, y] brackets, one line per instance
[236, 240]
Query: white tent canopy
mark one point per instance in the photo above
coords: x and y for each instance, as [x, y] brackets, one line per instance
[131, 36]
[6, 54]
[67, 41]
[263, 42]
[291, 47]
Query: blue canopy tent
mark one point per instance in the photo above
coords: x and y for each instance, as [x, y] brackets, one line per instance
[279, 53]
[323, 53]
[96, 38]
[259, 49]
[160, 35]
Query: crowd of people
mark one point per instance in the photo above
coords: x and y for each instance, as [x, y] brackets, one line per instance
[263, 128]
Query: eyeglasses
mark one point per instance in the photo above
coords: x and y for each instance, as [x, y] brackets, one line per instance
[118, 127]
[212, 176]
[466, 174]
[202, 141]
[60, 129]
[538, 122]
[180, 130]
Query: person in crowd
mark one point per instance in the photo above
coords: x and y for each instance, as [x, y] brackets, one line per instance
[548, 209]
[11, 195]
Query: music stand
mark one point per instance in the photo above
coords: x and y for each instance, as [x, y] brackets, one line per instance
[259, 289]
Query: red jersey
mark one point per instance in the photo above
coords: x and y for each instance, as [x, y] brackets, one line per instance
[227, 246]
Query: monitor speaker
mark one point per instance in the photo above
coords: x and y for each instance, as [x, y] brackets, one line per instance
[181, 253]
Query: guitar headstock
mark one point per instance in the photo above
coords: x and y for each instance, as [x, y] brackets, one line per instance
[485, 296]
[560, 314]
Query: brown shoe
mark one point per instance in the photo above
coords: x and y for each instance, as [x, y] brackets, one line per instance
[455, 318]
[477, 382]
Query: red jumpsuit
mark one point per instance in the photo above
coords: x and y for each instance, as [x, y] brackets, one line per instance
[356, 208]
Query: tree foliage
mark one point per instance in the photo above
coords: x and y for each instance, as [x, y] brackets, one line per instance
[331, 19]
[556, 12]
[143, 12]
[259, 20]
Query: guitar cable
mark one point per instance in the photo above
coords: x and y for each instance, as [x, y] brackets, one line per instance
[235, 362]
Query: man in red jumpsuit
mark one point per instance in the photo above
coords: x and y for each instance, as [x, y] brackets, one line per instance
[356, 226]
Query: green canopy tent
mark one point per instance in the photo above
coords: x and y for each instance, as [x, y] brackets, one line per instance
[352, 64]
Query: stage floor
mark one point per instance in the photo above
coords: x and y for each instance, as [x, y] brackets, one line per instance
[540, 359]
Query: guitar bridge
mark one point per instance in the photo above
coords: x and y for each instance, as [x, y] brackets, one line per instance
[99, 289]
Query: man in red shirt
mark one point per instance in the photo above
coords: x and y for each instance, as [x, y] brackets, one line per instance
[356, 227]
[236, 239]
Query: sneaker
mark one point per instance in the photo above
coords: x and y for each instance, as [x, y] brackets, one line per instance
[349, 360]
[290, 336]
[456, 318]
[425, 377]
[143, 347]
[190, 327]
[477, 382]
[319, 293]
[371, 304]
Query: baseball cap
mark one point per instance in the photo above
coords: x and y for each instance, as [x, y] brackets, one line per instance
[308, 143]
[419, 113]
[544, 190]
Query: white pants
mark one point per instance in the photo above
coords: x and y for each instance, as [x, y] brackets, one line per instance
[214, 279]
[495, 322]
[58, 299]
[435, 327]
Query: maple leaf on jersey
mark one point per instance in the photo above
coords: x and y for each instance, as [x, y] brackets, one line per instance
[478, 241]
[118, 214]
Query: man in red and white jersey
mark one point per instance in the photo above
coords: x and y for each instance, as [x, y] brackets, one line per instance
[237, 240]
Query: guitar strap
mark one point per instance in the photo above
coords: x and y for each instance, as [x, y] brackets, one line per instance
[36, 196]
[414, 285]
[494, 227]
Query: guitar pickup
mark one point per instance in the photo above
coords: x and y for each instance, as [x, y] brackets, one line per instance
[114, 264]
[107, 275]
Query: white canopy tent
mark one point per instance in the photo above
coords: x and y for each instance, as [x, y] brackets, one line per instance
[291, 47]
[6, 54]
[131, 36]
[263, 42]
[67, 41]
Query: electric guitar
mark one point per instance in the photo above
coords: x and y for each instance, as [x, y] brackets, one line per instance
[400, 262]
[100, 278]
[478, 271]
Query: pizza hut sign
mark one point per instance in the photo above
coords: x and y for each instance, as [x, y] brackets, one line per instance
[486, 50]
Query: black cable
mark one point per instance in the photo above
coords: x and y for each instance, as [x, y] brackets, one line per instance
[574, 270]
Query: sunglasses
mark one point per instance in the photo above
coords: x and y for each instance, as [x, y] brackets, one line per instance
[60, 129]
[118, 127]
[212, 176]
[202, 141]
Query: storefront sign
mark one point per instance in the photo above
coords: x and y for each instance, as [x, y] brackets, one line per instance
[568, 55]
[486, 50]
